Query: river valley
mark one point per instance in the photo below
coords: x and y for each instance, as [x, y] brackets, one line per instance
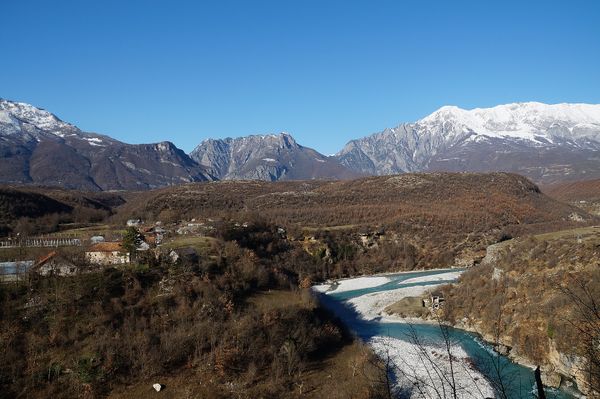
[425, 358]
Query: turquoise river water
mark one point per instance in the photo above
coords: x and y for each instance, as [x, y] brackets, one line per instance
[518, 379]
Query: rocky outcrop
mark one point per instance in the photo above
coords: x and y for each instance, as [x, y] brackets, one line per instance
[559, 370]
[266, 157]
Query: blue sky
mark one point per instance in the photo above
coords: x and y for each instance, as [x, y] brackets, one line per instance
[325, 71]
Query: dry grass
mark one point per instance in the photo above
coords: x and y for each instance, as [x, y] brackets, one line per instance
[348, 374]
[589, 234]
[201, 244]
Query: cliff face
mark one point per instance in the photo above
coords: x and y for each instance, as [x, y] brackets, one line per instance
[530, 295]
[559, 369]
[269, 157]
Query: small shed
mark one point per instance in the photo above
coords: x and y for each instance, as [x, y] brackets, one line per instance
[96, 239]
[434, 301]
[14, 271]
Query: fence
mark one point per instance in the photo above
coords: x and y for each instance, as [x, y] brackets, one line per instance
[41, 242]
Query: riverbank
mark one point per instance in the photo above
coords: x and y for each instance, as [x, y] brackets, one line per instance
[351, 284]
[554, 375]
[368, 303]
[421, 364]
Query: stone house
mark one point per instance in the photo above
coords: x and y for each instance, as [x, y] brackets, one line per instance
[54, 264]
[107, 253]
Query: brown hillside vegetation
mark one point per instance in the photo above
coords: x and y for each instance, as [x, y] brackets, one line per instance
[230, 323]
[584, 194]
[575, 191]
[524, 297]
[429, 220]
[480, 200]
[33, 210]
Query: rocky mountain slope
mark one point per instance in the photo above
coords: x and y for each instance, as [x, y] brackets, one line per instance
[544, 142]
[266, 157]
[532, 297]
[37, 147]
[547, 143]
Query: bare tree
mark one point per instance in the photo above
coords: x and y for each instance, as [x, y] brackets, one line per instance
[586, 321]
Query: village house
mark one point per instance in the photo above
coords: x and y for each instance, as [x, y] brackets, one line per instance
[107, 253]
[155, 234]
[54, 264]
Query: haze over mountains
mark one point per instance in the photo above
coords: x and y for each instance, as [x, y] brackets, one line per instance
[547, 143]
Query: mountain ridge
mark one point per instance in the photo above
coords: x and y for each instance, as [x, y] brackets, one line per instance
[545, 142]
[37, 147]
[266, 157]
[502, 138]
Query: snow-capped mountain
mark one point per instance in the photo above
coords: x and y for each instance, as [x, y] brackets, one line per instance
[266, 157]
[544, 142]
[547, 143]
[37, 147]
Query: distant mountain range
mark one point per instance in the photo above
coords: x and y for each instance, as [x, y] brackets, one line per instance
[269, 157]
[37, 147]
[543, 142]
[548, 143]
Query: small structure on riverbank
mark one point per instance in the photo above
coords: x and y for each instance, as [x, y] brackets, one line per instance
[434, 301]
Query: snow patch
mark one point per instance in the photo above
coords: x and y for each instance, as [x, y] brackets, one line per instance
[517, 120]
[5, 117]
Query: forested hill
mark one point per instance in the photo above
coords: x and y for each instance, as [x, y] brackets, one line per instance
[436, 218]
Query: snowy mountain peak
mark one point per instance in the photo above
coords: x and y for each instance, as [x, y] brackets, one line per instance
[519, 120]
[547, 142]
[12, 112]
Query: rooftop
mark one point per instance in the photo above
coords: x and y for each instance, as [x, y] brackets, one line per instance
[106, 247]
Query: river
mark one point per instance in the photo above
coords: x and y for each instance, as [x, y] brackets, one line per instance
[478, 370]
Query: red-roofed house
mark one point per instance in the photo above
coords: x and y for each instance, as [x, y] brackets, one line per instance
[107, 253]
[54, 264]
